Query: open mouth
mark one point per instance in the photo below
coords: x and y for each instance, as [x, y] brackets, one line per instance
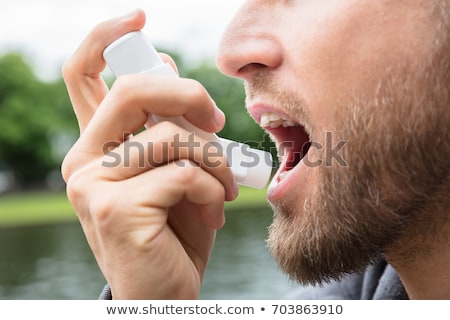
[291, 138]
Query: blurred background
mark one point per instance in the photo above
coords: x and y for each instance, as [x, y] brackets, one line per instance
[43, 253]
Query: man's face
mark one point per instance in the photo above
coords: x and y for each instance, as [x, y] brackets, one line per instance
[359, 91]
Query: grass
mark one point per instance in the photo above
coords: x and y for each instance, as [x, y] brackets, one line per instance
[248, 197]
[52, 207]
[35, 208]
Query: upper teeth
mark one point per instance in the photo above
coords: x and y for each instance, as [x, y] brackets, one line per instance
[274, 120]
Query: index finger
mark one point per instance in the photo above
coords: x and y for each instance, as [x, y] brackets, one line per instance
[81, 72]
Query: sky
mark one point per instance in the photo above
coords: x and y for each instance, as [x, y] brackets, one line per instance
[49, 31]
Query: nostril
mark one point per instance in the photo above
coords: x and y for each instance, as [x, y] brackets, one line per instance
[251, 67]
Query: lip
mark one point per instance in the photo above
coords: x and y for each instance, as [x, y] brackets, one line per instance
[295, 180]
[279, 188]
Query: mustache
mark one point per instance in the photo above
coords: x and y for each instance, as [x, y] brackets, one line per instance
[265, 88]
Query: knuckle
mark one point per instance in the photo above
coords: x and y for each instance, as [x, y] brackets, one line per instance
[217, 191]
[124, 94]
[68, 69]
[83, 192]
[66, 169]
[187, 171]
[171, 128]
[102, 210]
[196, 90]
[68, 166]
[166, 131]
[75, 189]
[123, 87]
[99, 30]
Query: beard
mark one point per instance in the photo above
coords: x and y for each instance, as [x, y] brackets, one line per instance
[393, 196]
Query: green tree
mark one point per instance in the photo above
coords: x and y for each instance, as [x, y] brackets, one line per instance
[32, 114]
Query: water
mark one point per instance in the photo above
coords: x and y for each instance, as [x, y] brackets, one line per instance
[55, 262]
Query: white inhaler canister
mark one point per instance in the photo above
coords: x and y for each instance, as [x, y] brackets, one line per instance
[133, 53]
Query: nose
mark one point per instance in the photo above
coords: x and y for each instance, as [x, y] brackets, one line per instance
[250, 44]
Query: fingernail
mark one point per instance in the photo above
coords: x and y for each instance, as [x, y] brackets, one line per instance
[235, 189]
[130, 14]
[219, 117]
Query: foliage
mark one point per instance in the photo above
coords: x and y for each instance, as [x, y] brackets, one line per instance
[32, 114]
[229, 96]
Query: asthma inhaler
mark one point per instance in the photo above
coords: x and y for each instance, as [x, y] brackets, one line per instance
[133, 53]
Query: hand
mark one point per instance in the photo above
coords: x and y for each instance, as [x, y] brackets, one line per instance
[151, 219]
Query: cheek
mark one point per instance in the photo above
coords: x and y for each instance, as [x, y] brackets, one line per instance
[328, 61]
[341, 56]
